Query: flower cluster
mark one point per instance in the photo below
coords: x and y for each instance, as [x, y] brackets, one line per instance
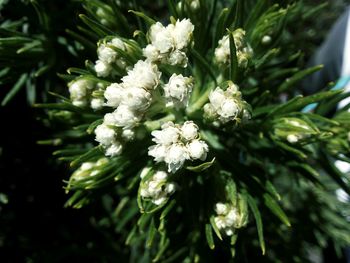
[226, 105]
[243, 51]
[130, 99]
[177, 91]
[177, 143]
[81, 93]
[169, 44]
[108, 57]
[228, 218]
[88, 169]
[156, 188]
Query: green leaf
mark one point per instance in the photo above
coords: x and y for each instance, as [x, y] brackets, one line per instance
[209, 236]
[18, 85]
[276, 209]
[151, 234]
[233, 58]
[297, 77]
[202, 63]
[98, 28]
[259, 224]
[166, 211]
[232, 192]
[272, 190]
[91, 154]
[220, 25]
[214, 226]
[254, 15]
[299, 102]
[201, 167]
[149, 21]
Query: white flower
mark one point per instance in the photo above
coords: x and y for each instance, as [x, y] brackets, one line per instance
[177, 57]
[102, 68]
[160, 175]
[221, 209]
[109, 119]
[115, 149]
[136, 98]
[158, 151]
[106, 54]
[77, 89]
[167, 136]
[128, 134]
[225, 106]
[157, 188]
[177, 90]
[189, 130]
[161, 37]
[118, 43]
[293, 138]
[182, 33]
[176, 156]
[229, 108]
[124, 117]
[114, 94]
[87, 166]
[170, 146]
[143, 75]
[227, 219]
[97, 103]
[217, 97]
[151, 53]
[104, 134]
[198, 149]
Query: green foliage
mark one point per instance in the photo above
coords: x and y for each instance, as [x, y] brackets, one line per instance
[274, 169]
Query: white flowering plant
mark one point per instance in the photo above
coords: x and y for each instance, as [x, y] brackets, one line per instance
[190, 125]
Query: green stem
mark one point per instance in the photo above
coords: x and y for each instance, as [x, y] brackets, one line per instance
[199, 103]
[154, 125]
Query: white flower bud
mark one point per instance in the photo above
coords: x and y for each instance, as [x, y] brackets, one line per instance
[177, 58]
[106, 54]
[128, 134]
[124, 117]
[216, 98]
[266, 40]
[102, 68]
[175, 157]
[177, 90]
[161, 37]
[136, 99]
[198, 149]
[228, 109]
[189, 130]
[115, 149]
[151, 53]
[160, 176]
[87, 166]
[114, 94]
[221, 209]
[158, 152]
[97, 103]
[166, 136]
[118, 43]
[104, 134]
[143, 75]
[182, 33]
[170, 188]
[292, 138]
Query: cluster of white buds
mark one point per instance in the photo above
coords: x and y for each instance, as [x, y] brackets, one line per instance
[177, 143]
[228, 218]
[293, 130]
[156, 188]
[226, 105]
[193, 5]
[243, 51]
[169, 44]
[108, 57]
[81, 93]
[177, 91]
[88, 169]
[130, 98]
